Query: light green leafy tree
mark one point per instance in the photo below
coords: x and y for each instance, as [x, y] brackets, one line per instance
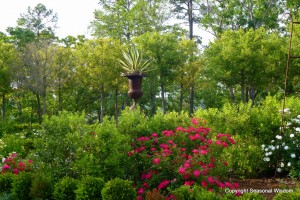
[163, 50]
[8, 59]
[218, 16]
[124, 19]
[99, 71]
[252, 60]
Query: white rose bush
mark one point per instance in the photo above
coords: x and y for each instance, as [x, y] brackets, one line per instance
[283, 153]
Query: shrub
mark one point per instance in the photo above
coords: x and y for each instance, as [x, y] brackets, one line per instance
[6, 180]
[241, 156]
[168, 121]
[70, 147]
[186, 156]
[251, 196]
[21, 186]
[56, 145]
[42, 186]
[194, 193]
[15, 165]
[287, 196]
[282, 153]
[65, 189]
[89, 188]
[133, 123]
[6, 196]
[118, 189]
[200, 193]
[101, 152]
[182, 193]
[14, 143]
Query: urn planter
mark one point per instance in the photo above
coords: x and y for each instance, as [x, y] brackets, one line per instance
[135, 91]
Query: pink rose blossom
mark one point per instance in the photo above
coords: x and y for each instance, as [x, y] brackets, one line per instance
[154, 135]
[163, 184]
[15, 171]
[189, 183]
[6, 166]
[156, 161]
[203, 152]
[204, 184]
[197, 173]
[181, 170]
[140, 191]
[211, 180]
[194, 121]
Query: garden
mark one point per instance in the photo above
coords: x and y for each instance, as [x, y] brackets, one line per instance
[216, 154]
[145, 111]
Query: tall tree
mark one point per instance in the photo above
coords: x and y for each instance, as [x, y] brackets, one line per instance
[163, 49]
[34, 35]
[40, 20]
[8, 58]
[124, 19]
[218, 16]
[186, 10]
[99, 71]
[252, 59]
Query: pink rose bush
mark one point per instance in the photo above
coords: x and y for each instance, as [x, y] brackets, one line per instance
[187, 156]
[15, 165]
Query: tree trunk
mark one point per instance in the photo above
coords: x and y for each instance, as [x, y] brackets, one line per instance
[252, 95]
[163, 103]
[243, 86]
[38, 110]
[192, 94]
[59, 95]
[44, 104]
[116, 106]
[20, 111]
[3, 107]
[231, 93]
[191, 30]
[181, 98]
[152, 99]
[191, 20]
[101, 116]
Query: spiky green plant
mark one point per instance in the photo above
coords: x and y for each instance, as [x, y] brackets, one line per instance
[133, 61]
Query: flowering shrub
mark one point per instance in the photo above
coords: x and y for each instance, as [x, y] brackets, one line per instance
[186, 156]
[15, 165]
[283, 151]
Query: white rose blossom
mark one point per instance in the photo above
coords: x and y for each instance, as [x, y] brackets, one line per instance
[279, 169]
[279, 137]
[286, 147]
[293, 155]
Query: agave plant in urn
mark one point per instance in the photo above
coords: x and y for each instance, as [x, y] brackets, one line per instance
[135, 69]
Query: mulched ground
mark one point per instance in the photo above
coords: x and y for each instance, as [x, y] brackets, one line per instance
[268, 187]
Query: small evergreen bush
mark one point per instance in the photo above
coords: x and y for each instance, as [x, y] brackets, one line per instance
[65, 189]
[89, 188]
[6, 180]
[287, 196]
[118, 189]
[194, 193]
[21, 186]
[252, 196]
[6, 196]
[42, 186]
[203, 194]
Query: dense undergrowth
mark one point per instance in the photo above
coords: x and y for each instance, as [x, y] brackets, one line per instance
[169, 156]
